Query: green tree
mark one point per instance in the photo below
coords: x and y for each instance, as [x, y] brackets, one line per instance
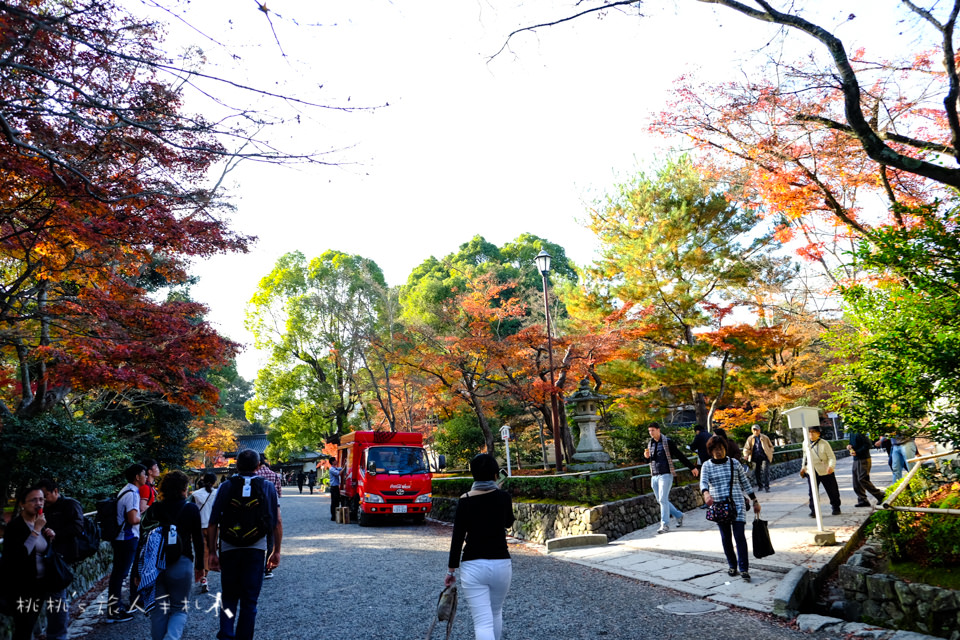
[459, 438]
[316, 319]
[681, 253]
[84, 456]
[900, 369]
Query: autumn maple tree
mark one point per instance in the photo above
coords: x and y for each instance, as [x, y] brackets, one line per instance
[463, 347]
[104, 203]
[682, 252]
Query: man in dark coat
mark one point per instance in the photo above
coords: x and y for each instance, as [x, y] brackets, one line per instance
[65, 517]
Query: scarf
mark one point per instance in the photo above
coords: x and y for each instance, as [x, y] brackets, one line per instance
[666, 449]
[484, 485]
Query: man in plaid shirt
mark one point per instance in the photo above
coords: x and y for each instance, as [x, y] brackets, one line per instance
[265, 472]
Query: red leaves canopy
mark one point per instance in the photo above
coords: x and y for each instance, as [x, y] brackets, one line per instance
[101, 204]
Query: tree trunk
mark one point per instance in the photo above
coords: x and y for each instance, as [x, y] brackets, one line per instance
[700, 403]
[569, 448]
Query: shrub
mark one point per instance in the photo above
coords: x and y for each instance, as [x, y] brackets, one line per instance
[85, 458]
[927, 539]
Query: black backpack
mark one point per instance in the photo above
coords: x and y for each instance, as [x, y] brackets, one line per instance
[245, 519]
[88, 542]
[108, 516]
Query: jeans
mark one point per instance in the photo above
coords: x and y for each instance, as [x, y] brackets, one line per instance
[241, 577]
[484, 584]
[58, 616]
[761, 471]
[739, 560]
[169, 618]
[661, 485]
[898, 458]
[124, 551]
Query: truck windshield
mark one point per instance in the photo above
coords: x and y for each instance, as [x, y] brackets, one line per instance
[397, 460]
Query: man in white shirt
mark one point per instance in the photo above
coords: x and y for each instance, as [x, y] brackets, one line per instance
[125, 544]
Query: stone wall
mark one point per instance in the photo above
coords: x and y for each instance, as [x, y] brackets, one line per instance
[540, 522]
[877, 598]
[85, 575]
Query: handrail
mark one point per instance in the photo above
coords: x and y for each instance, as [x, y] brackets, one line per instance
[906, 482]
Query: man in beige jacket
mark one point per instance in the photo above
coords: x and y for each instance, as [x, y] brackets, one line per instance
[824, 463]
[758, 451]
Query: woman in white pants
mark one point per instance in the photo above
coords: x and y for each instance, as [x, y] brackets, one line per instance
[483, 515]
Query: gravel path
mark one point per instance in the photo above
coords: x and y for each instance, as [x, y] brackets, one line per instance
[381, 582]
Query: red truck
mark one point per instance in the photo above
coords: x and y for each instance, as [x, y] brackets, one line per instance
[385, 474]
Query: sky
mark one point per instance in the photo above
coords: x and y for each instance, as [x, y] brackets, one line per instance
[524, 142]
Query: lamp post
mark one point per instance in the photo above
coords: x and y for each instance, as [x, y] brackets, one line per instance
[543, 264]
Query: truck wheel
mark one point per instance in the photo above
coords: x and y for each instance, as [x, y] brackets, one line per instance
[420, 518]
[364, 519]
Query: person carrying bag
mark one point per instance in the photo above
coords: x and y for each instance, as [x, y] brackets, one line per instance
[717, 479]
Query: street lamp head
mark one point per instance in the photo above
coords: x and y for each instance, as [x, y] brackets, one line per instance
[543, 261]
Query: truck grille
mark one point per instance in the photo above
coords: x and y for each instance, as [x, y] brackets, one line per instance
[400, 500]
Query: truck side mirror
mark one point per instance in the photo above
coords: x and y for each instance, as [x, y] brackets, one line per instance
[372, 467]
[441, 461]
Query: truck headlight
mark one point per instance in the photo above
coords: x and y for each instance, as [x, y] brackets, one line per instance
[372, 497]
[424, 497]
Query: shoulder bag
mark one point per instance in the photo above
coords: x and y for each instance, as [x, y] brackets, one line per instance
[57, 573]
[725, 511]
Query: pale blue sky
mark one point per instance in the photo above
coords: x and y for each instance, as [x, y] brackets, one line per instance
[522, 143]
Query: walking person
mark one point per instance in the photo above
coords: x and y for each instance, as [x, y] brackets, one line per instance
[715, 485]
[898, 456]
[268, 474]
[300, 478]
[311, 480]
[203, 498]
[244, 511]
[184, 560]
[334, 472]
[859, 448]
[125, 544]
[65, 517]
[25, 542]
[758, 451]
[824, 463]
[483, 515]
[699, 444]
[661, 452]
[148, 492]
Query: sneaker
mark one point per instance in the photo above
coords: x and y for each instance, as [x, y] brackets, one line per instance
[703, 506]
[767, 489]
[119, 616]
[836, 511]
[663, 529]
[679, 522]
[267, 575]
[732, 572]
[745, 576]
[813, 515]
[204, 586]
[863, 503]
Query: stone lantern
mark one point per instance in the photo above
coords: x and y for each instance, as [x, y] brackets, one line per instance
[590, 456]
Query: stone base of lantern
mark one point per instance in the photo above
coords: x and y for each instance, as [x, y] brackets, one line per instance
[591, 466]
[591, 461]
